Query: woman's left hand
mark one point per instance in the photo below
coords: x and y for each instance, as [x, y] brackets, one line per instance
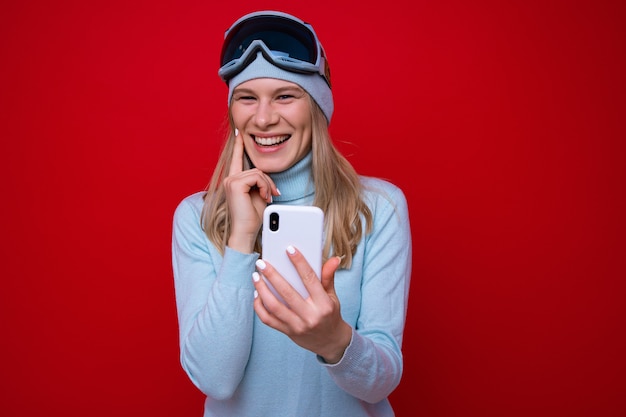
[314, 323]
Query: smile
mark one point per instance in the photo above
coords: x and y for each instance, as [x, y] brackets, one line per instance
[270, 141]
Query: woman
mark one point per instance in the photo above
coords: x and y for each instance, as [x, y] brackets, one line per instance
[337, 352]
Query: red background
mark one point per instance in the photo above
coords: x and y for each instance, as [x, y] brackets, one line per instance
[502, 121]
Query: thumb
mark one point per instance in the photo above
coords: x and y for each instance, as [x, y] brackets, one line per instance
[328, 273]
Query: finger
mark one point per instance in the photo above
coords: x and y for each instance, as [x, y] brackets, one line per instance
[287, 292]
[309, 277]
[250, 186]
[236, 164]
[262, 312]
[266, 187]
[328, 273]
[262, 184]
[269, 308]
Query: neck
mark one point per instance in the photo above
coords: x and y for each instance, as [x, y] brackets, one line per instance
[295, 183]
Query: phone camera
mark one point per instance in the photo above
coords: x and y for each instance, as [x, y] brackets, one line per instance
[274, 221]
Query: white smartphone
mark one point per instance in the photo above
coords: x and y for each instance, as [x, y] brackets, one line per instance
[299, 226]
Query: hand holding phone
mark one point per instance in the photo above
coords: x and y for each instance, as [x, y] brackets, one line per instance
[299, 226]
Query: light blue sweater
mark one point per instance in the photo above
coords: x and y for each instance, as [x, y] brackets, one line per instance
[248, 369]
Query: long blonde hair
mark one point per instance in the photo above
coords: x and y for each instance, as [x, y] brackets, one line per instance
[338, 192]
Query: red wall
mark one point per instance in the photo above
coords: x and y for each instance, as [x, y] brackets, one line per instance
[502, 121]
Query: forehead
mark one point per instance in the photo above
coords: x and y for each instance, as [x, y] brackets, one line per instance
[267, 85]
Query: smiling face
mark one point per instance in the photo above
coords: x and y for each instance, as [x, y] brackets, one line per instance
[274, 117]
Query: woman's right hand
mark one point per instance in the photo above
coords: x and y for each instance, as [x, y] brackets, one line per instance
[248, 192]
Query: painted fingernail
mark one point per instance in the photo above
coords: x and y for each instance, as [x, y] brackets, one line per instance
[291, 250]
[256, 294]
[277, 190]
[255, 276]
[236, 132]
[260, 264]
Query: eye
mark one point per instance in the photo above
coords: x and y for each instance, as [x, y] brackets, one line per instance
[285, 96]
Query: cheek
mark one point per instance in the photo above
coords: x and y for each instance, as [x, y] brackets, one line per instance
[239, 114]
[300, 117]
[237, 119]
[305, 127]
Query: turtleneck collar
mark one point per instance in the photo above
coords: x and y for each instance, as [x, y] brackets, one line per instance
[295, 183]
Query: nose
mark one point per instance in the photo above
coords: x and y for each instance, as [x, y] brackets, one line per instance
[265, 114]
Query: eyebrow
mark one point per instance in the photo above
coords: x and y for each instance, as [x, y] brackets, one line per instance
[277, 91]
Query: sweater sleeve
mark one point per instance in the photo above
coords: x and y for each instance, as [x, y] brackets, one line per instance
[214, 299]
[372, 365]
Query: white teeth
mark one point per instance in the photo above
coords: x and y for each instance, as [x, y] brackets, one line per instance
[274, 140]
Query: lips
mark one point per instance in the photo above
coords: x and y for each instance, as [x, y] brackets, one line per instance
[270, 140]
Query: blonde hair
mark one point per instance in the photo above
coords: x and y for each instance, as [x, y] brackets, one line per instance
[338, 192]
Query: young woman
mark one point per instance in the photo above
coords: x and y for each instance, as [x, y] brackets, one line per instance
[338, 351]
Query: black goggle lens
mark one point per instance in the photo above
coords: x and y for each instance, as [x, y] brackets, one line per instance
[280, 35]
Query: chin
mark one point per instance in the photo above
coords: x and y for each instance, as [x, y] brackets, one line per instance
[270, 165]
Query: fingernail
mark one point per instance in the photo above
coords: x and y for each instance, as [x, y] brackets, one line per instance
[256, 294]
[277, 190]
[236, 132]
[260, 264]
[255, 276]
[291, 250]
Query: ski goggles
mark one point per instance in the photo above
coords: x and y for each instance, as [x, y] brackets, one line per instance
[284, 40]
